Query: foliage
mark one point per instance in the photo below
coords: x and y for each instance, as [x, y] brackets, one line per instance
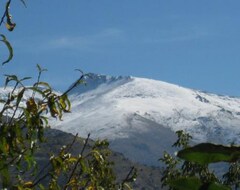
[190, 169]
[23, 120]
[206, 153]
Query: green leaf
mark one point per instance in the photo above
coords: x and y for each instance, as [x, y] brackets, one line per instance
[19, 96]
[10, 78]
[4, 146]
[10, 49]
[98, 156]
[217, 186]
[193, 183]
[30, 160]
[5, 177]
[84, 166]
[184, 183]
[206, 153]
[41, 187]
[65, 103]
[25, 78]
[44, 120]
[40, 68]
[9, 24]
[44, 84]
[35, 89]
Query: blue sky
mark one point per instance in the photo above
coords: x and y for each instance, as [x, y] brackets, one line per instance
[195, 44]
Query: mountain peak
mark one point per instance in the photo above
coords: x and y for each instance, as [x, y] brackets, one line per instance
[104, 77]
[135, 111]
[93, 81]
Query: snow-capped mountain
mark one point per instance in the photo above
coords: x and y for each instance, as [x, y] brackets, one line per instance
[139, 116]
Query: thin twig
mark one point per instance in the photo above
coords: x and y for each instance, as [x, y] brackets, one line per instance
[78, 161]
[73, 86]
[69, 147]
[40, 179]
[13, 160]
[40, 172]
[127, 177]
[38, 79]
[14, 113]
[66, 92]
[85, 144]
[48, 164]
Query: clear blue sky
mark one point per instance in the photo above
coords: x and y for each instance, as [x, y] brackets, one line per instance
[191, 43]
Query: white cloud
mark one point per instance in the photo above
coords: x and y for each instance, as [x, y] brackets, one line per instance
[88, 42]
[178, 34]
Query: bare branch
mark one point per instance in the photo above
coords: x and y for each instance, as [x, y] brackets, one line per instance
[78, 161]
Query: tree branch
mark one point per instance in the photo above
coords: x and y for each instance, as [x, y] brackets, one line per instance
[78, 161]
[127, 177]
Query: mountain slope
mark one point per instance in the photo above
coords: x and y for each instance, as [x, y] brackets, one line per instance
[56, 139]
[139, 116]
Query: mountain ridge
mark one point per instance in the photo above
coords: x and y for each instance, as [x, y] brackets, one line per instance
[129, 109]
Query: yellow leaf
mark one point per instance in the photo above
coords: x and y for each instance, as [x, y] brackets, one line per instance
[72, 159]
[31, 105]
[91, 188]
[28, 184]
[10, 27]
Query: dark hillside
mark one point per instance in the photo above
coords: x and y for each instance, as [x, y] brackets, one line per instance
[148, 177]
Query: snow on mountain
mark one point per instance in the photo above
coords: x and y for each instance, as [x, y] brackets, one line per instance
[139, 116]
